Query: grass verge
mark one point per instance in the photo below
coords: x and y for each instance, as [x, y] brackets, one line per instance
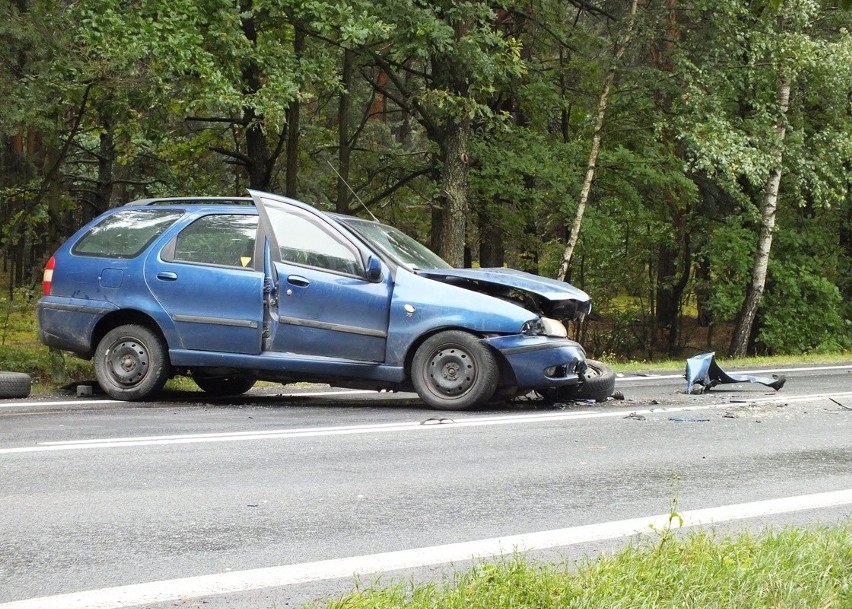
[786, 569]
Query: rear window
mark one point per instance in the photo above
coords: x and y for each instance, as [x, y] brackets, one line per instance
[125, 234]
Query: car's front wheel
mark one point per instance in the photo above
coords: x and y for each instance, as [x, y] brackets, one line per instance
[131, 363]
[223, 385]
[453, 370]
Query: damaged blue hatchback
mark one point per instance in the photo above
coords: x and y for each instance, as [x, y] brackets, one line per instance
[234, 290]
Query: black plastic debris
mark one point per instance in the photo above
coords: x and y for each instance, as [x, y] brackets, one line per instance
[702, 370]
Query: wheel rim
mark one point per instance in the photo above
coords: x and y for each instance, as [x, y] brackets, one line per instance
[127, 361]
[592, 371]
[451, 372]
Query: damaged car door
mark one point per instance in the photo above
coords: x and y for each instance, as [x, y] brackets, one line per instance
[333, 297]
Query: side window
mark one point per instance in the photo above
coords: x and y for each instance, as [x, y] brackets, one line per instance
[125, 234]
[221, 240]
[303, 241]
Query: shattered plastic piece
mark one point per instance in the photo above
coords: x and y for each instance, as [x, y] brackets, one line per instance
[704, 371]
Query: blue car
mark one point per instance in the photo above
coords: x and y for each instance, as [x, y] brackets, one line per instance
[234, 290]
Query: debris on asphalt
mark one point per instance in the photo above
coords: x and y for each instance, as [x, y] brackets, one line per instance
[839, 404]
[703, 373]
[437, 421]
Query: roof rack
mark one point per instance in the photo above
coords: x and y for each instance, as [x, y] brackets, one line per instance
[194, 201]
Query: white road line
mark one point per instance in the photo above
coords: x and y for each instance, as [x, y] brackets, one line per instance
[308, 432]
[255, 579]
[443, 423]
[290, 394]
[793, 398]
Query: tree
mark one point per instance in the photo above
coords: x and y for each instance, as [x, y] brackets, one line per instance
[438, 64]
[591, 165]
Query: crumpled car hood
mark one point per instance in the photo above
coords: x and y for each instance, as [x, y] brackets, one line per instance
[541, 295]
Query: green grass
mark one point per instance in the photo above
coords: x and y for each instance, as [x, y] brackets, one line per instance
[787, 569]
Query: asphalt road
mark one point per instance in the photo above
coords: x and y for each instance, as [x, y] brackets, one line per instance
[279, 497]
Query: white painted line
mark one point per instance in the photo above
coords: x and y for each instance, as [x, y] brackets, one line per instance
[59, 403]
[310, 432]
[792, 398]
[286, 575]
[289, 394]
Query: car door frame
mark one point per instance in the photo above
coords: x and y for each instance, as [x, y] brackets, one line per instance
[369, 264]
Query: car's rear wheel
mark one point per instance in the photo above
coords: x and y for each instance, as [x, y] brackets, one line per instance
[131, 363]
[223, 385]
[453, 370]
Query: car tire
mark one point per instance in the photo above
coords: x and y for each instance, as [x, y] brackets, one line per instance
[223, 385]
[453, 370]
[598, 382]
[131, 363]
[15, 385]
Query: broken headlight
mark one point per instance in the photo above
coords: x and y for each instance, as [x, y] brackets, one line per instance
[544, 326]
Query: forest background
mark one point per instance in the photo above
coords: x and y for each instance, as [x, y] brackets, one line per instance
[686, 162]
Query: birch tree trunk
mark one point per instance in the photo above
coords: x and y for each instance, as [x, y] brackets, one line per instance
[740, 339]
[591, 165]
[745, 322]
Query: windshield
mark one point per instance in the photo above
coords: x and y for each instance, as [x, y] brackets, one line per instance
[401, 248]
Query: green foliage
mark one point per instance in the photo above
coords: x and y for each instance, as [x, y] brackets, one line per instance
[772, 570]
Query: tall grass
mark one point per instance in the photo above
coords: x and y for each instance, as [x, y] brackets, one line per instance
[786, 569]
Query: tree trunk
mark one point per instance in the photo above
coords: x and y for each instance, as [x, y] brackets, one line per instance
[593, 153]
[106, 162]
[258, 162]
[754, 293]
[344, 150]
[454, 191]
[293, 118]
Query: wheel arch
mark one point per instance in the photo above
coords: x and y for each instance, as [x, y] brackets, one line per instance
[122, 318]
[506, 374]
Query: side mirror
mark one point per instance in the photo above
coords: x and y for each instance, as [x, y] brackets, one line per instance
[374, 269]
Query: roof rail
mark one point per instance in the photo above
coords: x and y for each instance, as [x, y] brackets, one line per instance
[193, 201]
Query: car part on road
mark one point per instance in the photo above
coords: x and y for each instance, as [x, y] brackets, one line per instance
[703, 371]
[598, 382]
[15, 385]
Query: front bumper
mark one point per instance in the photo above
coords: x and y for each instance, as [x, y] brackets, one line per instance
[541, 362]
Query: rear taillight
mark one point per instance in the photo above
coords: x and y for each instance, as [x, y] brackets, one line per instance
[47, 280]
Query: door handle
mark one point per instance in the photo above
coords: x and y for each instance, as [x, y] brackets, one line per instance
[167, 276]
[298, 280]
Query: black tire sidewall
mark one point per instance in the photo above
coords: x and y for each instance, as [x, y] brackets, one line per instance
[487, 372]
[15, 385]
[223, 385]
[599, 385]
[156, 374]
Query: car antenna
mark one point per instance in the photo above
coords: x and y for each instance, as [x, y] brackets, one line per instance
[340, 177]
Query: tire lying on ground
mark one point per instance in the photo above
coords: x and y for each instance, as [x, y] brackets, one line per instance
[598, 382]
[15, 385]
